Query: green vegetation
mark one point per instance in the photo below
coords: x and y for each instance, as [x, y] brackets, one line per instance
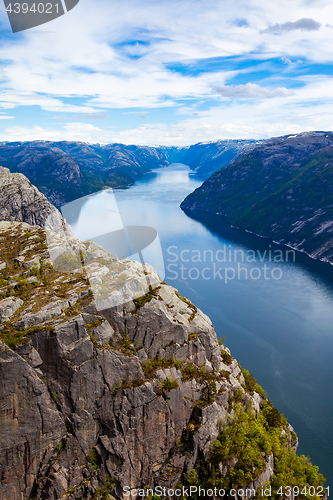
[129, 384]
[168, 384]
[94, 324]
[192, 336]
[154, 364]
[104, 491]
[189, 371]
[252, 385]
[126, 346]
[93, 459]
[61, 447]
[200, 374]
[13, 337]
[227, 358]
[247, 439]
[141, 301]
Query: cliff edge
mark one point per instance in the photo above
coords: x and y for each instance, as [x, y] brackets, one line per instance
[21, 201]
[111, 379]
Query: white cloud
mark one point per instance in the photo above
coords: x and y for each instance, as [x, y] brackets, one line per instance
[90, 56]
[90, 116]
[72, 132]
[251, 91]
[82, 59]
[11, 99]
[248, 119]
[304, 24]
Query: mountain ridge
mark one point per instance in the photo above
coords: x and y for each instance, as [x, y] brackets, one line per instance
[280, 189]
[65, 170]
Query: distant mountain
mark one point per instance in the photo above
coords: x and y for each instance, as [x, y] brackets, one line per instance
[208, 157]
[281, 189]
[65, 170]
[133, 161]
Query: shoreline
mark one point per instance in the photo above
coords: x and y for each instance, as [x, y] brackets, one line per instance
[269, 238]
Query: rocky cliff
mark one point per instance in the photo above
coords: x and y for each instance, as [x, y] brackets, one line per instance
[110, 379]
[21, 201]
[281, 189]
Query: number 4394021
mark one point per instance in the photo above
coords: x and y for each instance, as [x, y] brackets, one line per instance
[40, 8]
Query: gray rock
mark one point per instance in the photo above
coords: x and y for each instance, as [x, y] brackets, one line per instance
[104, 334]
[46, 313]
[29, 353]
[8, 307]
[81, 381]
[31, 426]
[21, 201]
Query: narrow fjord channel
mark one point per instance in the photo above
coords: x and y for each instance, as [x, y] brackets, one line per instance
[274, 307]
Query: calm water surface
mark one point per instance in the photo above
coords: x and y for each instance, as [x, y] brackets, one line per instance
[277, 321]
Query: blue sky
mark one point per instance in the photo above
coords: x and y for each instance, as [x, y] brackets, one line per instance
[169, 72]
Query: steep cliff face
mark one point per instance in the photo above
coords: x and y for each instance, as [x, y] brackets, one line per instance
[281, 189]
[21, 201]
[112, 379]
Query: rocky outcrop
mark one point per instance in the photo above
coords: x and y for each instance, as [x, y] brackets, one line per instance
[22, 201]
[8, 307]
[110, 377]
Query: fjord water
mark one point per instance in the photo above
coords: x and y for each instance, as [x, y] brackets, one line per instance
[277, 320]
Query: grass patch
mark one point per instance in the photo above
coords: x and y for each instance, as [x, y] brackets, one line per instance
[129, 384]
[142, 301]
[227, 358]
[152, 365]
[168, 384]
[93, 459]
[12, 337]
